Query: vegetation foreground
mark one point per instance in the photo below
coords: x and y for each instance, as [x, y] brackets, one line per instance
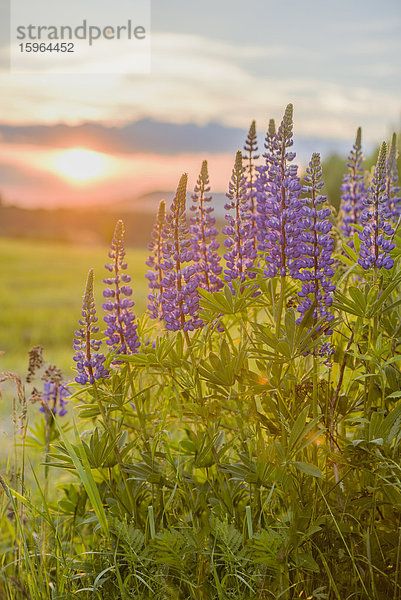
[243, 438]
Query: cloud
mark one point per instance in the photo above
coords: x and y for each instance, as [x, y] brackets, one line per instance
[198, 80]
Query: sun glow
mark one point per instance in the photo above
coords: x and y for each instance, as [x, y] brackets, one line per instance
[81, 165]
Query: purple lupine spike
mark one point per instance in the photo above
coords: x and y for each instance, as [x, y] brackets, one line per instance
[279, 204]
[250, 156]
[155, 273]
[90, 362]
[353, 189]
[260, 185]
[239, 256]
[270, 135]
[121, 332]
[203, 235]
[316, 264]
[376, 243]
[179, 300]
[393, 190]
[55, 393]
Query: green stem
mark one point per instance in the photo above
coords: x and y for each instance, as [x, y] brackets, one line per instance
[280, 305]
[315, 378]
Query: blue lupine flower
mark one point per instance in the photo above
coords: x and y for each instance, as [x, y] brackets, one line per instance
[239, 256]
[179, 300]
[376, 243]
[155, 273]
[121, 332]
[54, 398]
[55, 392]
[353, 189]
[260, 184]
[203, 235]
[279, 204]
[250, 156]
[316, 264]
[393, 191]
[90, 362]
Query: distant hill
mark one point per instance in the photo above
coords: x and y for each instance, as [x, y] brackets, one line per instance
[84, 226]
[149, 203]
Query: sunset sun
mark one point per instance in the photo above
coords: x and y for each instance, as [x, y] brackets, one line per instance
[80, 165]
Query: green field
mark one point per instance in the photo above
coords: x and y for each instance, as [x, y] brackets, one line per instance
[41, 291]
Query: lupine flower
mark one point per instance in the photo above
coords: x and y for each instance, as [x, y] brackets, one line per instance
[155, 274]
[250, 156]
[316, 264]
[393, 191]
[179, 300]
[121, 332]
[203, 235]
[260, 184]
[239, 256]
[279, 204]
[375, 243]
[353, 188]
[55, 393]
[90, 362]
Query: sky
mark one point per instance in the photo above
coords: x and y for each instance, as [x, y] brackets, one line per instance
[215, 66]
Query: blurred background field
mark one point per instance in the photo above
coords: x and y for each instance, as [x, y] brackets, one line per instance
[42, 285]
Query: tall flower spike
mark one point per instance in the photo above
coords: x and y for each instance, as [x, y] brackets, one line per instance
[55, 393]
[121, 332]
[179, 300]
[250, 156]
[203, 235]
[393, 191]
[239, 256]
[90, 362]
[155, 273]
[375, 243]
[353, 188]
[316, 265]
[260, 185]
[279, 204]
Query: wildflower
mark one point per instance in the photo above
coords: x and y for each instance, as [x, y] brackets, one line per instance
[375, 243]
[87, 356]
[251, 149]
[239, 256]
[55, 392]
[179, 300]
[203, 235]
[316, 264]
[353, 188]
[392, 189]
[155, 274]
[260, 184]
[279, 204]
[121, 332]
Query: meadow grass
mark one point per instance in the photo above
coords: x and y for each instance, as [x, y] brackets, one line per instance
[42, 285]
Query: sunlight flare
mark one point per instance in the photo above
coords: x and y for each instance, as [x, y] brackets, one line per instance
[81, 165]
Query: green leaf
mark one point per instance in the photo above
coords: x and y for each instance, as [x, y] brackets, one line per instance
[307, 468]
